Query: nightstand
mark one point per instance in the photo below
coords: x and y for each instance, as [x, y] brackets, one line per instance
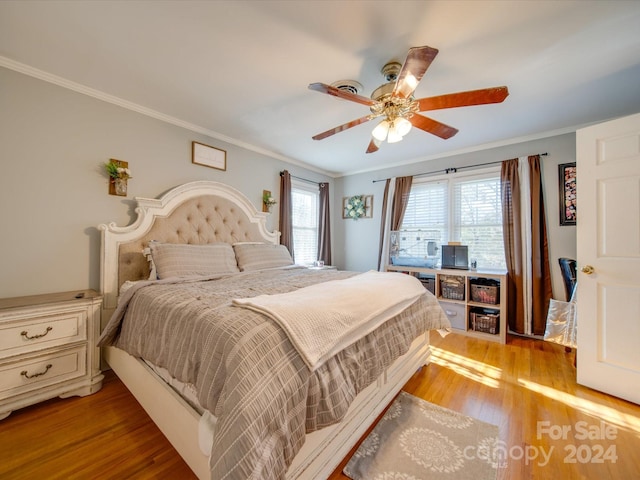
[324, 267]
[48, 348]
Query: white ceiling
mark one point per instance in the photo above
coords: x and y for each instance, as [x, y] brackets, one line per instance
[239, 70]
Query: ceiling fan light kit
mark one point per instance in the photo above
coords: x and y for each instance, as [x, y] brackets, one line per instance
[381, 131]
[395, 101]
[393, 136]
[403, 126]
[391, 130]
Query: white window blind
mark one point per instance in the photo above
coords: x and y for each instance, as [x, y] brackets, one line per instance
[425, 218]
[304, 202]
[467, 210]
[477, 220]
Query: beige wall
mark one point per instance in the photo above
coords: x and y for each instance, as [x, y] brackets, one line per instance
[53, 190]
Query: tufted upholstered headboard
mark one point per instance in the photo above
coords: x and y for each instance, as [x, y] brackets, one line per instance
[195, 213]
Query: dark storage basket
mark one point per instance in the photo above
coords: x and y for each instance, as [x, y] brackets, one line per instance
[487, 321]
[429, 283]
[485, 294]
[452, 287]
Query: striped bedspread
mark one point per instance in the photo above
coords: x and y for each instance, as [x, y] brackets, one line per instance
[246, 370]
[320, 329]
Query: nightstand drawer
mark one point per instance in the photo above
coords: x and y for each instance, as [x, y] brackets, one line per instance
[48, 347]
[43, 370]
[39, 330]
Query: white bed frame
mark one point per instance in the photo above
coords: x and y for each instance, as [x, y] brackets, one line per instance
[323, 450]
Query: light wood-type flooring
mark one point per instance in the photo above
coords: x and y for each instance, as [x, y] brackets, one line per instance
[527, 387]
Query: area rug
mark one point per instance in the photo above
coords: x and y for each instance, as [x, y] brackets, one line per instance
[417, 440]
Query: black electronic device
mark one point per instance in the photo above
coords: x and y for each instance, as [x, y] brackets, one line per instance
[455, 256]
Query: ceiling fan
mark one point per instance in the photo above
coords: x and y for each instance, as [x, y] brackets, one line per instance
[394, 101]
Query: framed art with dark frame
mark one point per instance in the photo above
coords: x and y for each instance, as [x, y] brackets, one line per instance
[568, 207]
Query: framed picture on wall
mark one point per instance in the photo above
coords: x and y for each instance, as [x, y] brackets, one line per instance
[357, 206]
[208, 156]
[568, 206]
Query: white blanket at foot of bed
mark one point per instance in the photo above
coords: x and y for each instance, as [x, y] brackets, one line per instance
[350, 308]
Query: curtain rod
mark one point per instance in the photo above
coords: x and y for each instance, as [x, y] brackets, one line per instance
[302, 179]
[454, 169]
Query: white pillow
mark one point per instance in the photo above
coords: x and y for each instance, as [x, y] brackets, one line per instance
[258, 256]
[182, 260]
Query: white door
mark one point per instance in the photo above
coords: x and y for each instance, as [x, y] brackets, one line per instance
[608, 236]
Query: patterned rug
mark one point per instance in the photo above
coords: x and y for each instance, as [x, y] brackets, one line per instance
[417, 440]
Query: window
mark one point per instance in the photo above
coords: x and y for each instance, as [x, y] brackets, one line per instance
[426, 213]
[464, 209]
[304, 203]
[477, 220]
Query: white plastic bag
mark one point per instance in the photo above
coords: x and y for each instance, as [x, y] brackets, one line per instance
[562, 325]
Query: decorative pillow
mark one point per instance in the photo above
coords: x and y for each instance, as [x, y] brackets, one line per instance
[257, 256]
[182, 260]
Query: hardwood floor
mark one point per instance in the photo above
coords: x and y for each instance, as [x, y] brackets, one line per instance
[526, 387]
[106, 435]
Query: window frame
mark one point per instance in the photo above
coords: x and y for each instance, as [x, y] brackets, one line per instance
[297, 185]
[452, 230]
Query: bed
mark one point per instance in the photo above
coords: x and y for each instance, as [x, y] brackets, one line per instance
[335, 394]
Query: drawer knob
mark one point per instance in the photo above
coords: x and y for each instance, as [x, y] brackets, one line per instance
[25, 374]
[26, 335]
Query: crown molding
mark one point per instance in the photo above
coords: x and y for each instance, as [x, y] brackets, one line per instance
[105, 97]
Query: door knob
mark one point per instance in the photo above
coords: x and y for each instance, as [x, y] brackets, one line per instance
[587, 269]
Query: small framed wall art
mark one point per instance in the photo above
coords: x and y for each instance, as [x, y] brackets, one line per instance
[208, 156]
[357, 206]
[568, 207]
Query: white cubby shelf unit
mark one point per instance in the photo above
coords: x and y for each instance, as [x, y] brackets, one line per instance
[474, 300]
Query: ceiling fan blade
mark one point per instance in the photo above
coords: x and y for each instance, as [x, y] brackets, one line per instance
[336, 92]
[432, 126]
[417, 62]
[341, 128]
[464, 99]
[374, 145]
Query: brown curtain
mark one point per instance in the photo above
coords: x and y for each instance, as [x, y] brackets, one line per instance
[285, 224]
[512, 234]
[398, 207]
[324, 229]
[400, 200]
[383, 220]
[540, 275]
[540, 271]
